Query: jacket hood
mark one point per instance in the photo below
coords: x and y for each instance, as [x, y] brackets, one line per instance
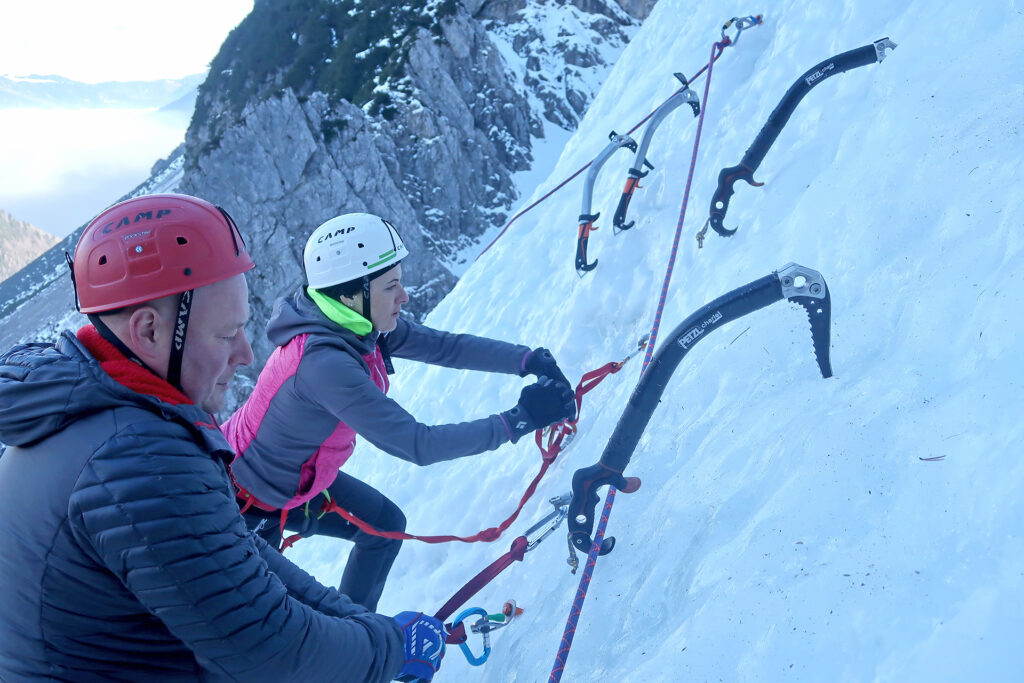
[298, 314]
[46, 387]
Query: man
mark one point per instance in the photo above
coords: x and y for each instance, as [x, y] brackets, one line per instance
[124, 556]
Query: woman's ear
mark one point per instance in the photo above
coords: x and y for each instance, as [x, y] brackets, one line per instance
[355, 303]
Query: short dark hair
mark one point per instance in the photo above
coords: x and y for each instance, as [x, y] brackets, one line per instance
[350, 288]
[346, 289]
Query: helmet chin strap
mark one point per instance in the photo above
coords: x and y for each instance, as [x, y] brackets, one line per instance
[178, 339]
[109, 335]
[366, 298]
[184, 310]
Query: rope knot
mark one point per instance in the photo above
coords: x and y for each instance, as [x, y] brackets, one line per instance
[518, 549]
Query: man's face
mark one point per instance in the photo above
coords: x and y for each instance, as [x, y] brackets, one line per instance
[386, 298]
[215, 344]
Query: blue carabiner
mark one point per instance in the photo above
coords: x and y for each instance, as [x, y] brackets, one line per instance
[470, 657]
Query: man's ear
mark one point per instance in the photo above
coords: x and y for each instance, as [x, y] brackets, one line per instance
[149, 332]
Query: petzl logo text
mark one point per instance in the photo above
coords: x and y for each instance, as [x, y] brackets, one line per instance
[691, 337]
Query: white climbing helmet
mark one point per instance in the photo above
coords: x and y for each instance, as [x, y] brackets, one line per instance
[349, 247]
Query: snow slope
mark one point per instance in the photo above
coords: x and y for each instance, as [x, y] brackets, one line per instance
[788, 527]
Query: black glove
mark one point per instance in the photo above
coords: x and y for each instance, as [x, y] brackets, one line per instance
[541, 363]
[540, 404]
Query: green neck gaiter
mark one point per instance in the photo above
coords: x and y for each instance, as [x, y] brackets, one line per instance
[341, 314]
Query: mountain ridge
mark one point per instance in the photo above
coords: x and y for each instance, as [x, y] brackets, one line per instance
[52, 91]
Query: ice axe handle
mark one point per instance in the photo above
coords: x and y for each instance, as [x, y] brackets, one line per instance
[583, 506]
[727, 177]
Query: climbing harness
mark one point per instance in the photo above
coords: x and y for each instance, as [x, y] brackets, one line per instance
[727, 177]
[681, 96]
[587, 218]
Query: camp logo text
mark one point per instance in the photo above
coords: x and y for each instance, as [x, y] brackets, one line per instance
[181, 324]
[126, 220]
[335, 233]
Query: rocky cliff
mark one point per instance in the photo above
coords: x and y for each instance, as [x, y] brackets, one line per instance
[421, 111]
[20, 244]
[446, 101]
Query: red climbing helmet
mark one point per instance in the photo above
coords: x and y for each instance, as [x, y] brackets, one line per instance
[153, 246]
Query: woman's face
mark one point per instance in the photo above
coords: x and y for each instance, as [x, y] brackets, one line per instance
[386, 298]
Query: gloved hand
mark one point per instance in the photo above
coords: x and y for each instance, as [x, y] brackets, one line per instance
[541, 362]
[424, 646]
[540, 404]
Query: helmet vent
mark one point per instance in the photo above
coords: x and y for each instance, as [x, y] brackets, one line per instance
[182, 241]
[103, 260]
[365, 263]
[361, 246]
[188, 271]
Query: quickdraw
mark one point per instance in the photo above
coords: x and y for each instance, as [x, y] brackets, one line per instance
[727, 177]
[520, 546]
[587, 218]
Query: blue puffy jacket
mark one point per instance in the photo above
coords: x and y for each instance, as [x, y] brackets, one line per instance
[122, 553]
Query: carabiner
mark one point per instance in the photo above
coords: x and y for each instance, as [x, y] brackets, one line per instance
[741, 24]
[556, 517]
[470, 657]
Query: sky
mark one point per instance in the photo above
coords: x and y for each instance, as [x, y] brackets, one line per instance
[866, 527]
[60, 167]
[114, 40]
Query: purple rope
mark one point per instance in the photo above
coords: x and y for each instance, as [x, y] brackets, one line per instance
[581, 591]
[682, 214]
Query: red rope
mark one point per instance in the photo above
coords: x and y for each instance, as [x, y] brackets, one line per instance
[556, 438]
[486, 535]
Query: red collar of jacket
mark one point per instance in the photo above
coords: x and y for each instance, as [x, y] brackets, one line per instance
[126, 372]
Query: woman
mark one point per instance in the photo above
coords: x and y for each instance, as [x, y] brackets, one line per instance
[327, 381]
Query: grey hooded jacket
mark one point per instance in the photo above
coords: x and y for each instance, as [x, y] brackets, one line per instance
[123, 556]
[326, 385]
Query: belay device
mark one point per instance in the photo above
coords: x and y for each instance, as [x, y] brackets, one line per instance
[793, 282]
[727, 177]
